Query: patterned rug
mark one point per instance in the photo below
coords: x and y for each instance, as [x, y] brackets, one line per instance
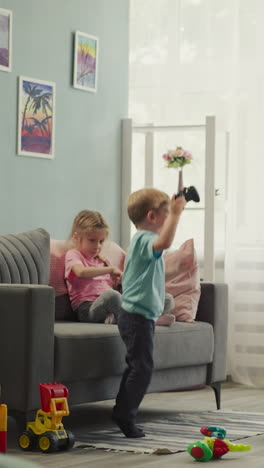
[174, 433]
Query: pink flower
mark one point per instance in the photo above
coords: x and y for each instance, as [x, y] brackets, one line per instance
[179, 153]
[187, 155]
[167, 157]
[177, 157]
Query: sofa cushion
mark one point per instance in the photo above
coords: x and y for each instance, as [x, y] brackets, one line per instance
[184, 283]
[24, 257]
[58, 249]
[63, 308]
[91, 350]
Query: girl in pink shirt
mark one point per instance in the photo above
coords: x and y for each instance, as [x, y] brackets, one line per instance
[89, 277]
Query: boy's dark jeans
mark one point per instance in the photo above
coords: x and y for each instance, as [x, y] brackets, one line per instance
[137, 333]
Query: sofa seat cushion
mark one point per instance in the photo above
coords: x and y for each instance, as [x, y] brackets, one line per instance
[91, 350]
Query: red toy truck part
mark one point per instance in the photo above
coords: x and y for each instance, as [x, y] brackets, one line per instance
[51, 390]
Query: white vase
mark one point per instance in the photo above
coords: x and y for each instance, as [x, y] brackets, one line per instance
[180, 180]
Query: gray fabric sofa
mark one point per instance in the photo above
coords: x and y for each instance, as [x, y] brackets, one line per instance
[89, 358]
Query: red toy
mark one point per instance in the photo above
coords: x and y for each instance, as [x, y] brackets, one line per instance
[212, 447]
[213, 431]
[49, 391]
[47, 431]
[3, 428]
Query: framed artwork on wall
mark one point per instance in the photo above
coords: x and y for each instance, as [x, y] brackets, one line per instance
[5, 40]
[86, 50]
[36, 118]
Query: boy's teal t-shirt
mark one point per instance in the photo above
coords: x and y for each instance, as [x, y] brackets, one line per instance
[143, 280]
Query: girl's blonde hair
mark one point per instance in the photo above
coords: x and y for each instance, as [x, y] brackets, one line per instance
[144, 200]
[87, 221]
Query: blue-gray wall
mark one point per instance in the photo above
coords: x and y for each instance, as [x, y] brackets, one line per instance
[85, 172]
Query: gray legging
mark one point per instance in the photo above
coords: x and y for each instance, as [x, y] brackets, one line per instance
[109, 302]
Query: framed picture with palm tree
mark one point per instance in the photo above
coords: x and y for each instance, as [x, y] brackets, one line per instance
[36, 118]
[5, 40]
[86, 50]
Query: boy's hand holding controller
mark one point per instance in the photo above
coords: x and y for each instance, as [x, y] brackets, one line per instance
[168, 229]
[177, 203]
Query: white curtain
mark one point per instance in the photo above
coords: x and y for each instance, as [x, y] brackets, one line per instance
[189, 59]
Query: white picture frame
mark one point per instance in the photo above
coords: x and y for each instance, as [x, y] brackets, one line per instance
[6, 25]
[36, 118]
[86, 55]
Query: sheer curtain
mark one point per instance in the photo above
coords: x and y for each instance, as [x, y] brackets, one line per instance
[189, 59]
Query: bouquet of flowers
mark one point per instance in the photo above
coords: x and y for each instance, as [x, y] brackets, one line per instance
[177, 158]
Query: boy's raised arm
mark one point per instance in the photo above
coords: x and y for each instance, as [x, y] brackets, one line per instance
[168, 229]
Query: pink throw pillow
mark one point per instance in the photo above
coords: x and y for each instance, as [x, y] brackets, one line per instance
[184, 282]
[114, 253]
[58, 249]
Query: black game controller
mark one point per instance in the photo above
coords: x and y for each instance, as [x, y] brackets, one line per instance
[189, 193]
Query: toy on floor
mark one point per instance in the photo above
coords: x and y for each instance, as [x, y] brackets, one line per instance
[215, 445]
[47, 432]
[213, 431]
[3, 428]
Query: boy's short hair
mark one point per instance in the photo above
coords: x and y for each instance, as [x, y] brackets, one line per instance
[142, 201]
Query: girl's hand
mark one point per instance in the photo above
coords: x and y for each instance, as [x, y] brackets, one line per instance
[116, 276]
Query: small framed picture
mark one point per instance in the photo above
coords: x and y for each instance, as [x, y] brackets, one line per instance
[5, 40]
[86, 50]
[36, 118]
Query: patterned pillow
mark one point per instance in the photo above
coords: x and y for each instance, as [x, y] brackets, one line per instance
[184, 282]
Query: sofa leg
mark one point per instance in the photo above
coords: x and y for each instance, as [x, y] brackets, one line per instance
[216, 386]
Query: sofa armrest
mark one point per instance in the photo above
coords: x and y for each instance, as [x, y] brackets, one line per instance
[213, 308]
[26, 343]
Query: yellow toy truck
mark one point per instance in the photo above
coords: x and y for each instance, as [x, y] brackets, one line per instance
[46, 432]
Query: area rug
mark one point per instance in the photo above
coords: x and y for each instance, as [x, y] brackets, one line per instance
[172, 434]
